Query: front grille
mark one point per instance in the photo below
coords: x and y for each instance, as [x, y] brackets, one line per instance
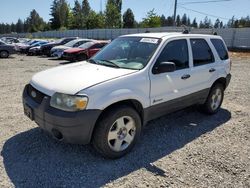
[36, 95]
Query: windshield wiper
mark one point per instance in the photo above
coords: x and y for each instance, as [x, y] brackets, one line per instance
[110, 62]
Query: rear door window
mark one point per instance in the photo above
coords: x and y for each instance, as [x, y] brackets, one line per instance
[202, 53]
[220, 48]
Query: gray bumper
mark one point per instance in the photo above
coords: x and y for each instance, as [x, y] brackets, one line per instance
[70, 127]
[228, 79]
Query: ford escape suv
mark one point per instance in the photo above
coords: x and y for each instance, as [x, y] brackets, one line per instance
[109, 98]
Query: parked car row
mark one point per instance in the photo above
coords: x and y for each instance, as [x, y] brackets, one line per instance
[70, 48]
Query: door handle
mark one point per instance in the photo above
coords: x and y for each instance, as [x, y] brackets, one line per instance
[212, 70]
[186, 76]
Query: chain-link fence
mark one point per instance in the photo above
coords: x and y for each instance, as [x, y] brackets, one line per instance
[234, 37]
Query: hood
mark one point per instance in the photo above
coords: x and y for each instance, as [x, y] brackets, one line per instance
[50, 44]
[74, 50]
[70, 79]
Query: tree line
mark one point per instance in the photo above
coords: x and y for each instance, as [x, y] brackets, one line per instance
[82, 16]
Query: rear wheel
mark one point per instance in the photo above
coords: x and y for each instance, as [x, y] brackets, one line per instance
[117, 132]
[214, 99]
[4, 54]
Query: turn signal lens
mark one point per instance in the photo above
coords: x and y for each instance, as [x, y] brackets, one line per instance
[81, 104]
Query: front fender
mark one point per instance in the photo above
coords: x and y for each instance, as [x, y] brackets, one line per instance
[104, 100]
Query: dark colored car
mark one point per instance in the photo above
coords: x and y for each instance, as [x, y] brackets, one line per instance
[6, 49]
[45, 49]
[25, 49]
[10, 40]
[84, 51]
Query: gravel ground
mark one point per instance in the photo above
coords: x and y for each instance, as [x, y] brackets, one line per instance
[184, 149]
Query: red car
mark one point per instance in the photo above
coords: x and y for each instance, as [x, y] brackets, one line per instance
[84, 51]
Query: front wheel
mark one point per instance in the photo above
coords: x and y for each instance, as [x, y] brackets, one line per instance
[4, 54]
[214, 99]
[117, 132]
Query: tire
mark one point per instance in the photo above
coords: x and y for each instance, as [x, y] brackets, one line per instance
[4, 54]
[214, 100]
[117, 132]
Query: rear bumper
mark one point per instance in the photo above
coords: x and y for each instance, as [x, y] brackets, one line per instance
[70, 127]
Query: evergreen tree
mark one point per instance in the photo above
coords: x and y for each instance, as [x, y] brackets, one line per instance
[128, 19]
[207, 23]
[188, 22]
[13, 27]
[217, 23]
[221, 24]
[95, 20]
[112, 14]
[170, 21]
[184, 20]
[152, 20]
[77, 16]
[35, 22]
[85, 8]
[178, 20]
[163, 21]
[19, 26]
[194, 23]
[60, 13]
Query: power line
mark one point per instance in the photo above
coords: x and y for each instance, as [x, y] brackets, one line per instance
[202, 2]
[203, 13]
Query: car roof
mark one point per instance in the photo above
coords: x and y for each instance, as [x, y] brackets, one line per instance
[169, 35]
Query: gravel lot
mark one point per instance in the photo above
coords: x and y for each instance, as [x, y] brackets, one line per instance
[184, 149]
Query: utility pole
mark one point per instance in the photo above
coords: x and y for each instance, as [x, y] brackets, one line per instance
[101, 6]
[175, 7]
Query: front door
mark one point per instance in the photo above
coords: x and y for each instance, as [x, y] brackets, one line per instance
[167, 88]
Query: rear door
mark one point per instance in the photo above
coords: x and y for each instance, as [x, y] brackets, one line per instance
[203, 68]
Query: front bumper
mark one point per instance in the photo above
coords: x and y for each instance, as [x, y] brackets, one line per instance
[57, 54]
[70, 127]
[228, 79]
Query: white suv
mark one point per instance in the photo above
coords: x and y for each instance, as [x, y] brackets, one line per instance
[136, 78]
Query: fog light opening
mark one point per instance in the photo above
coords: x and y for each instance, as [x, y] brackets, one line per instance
[57, 134]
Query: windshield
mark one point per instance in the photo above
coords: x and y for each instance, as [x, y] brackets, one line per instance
[86, 45]
[58, 40]
[71, 43]
[128, 52]
[2, 42]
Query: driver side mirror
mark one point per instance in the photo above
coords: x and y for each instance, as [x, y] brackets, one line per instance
[164, 67]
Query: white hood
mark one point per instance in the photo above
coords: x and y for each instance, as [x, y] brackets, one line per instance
[70, 79]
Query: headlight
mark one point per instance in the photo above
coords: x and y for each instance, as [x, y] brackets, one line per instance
[69, 103]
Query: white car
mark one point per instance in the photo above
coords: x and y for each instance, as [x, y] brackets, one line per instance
[136, 78]
[57, 51]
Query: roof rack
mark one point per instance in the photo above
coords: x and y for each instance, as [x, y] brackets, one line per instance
[185, 31]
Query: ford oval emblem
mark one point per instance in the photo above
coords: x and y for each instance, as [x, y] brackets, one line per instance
[33, 94]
